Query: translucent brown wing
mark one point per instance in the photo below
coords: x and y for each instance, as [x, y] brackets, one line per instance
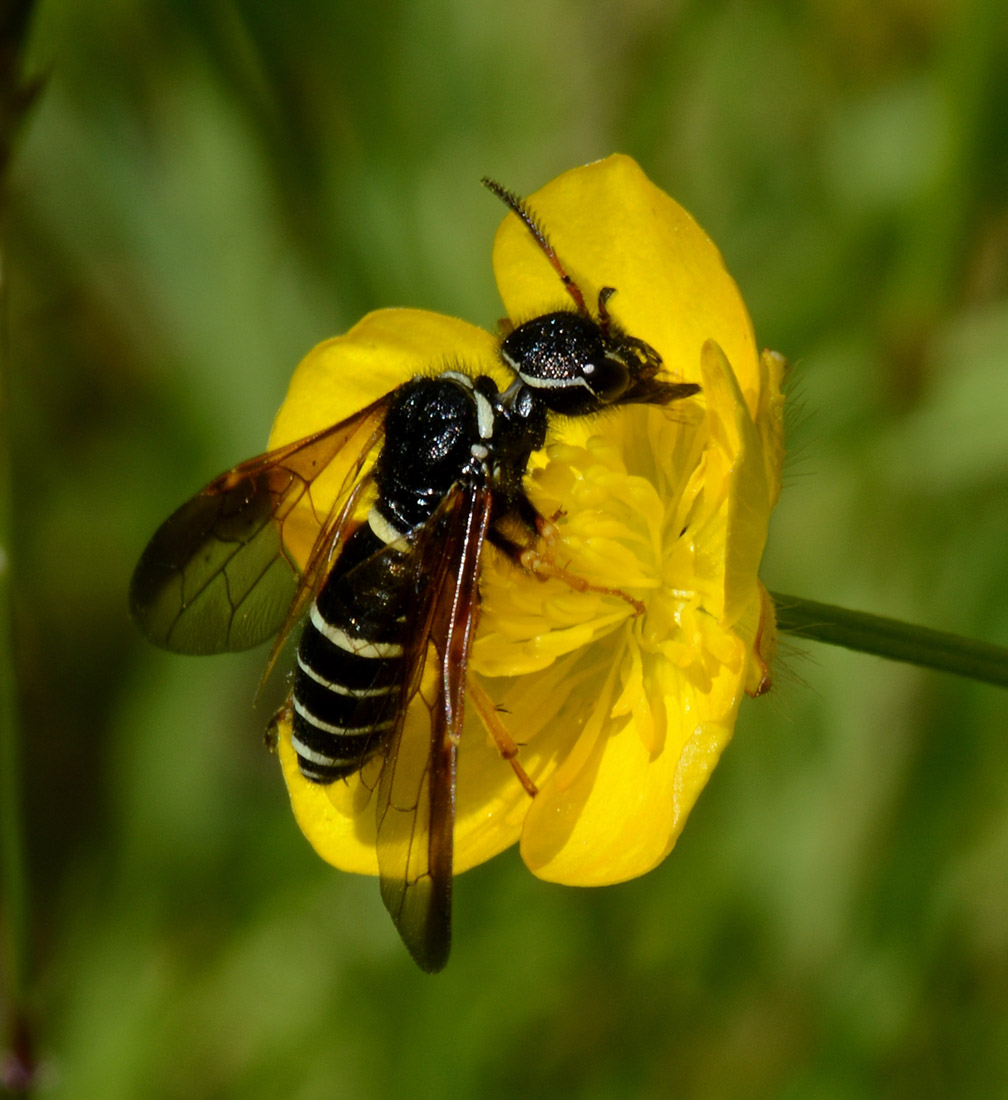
[416, 790]
[219, 574]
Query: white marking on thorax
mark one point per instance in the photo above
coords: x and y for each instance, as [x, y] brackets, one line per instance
[484, 415]
[382, 529]
[457, 376]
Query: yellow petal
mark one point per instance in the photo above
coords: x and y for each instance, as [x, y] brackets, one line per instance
[737, 447]
[338, 821]
[620, 814]
[763, 647]
[770, 418]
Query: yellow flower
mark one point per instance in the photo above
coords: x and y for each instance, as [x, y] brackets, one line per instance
[620, 716]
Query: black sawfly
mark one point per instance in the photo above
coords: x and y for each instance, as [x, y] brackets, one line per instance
[442, 461]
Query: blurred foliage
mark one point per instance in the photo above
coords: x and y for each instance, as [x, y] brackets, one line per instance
[204, 190]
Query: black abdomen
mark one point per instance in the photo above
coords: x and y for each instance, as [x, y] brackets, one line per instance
[348, 683]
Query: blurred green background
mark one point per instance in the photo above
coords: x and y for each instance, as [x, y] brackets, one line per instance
[206, 189]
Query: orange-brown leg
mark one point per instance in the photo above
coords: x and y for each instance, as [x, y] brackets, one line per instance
[544, 566]
[506, 744]
[272, 734]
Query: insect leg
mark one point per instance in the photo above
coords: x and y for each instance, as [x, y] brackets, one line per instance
[545, 568]
[272, 734]
[540, 560]
[506, 744]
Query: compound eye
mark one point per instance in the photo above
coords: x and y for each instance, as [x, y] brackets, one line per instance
[607, 378]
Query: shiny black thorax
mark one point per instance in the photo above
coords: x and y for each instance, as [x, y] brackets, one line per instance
[451, 430]
[430, 430]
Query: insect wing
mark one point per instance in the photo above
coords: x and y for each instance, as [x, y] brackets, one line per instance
[416, 790]
[218, 574]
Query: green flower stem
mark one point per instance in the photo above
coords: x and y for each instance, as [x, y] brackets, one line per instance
[17, 1062]
[898, 641]
[15, 1046]
[13, 873]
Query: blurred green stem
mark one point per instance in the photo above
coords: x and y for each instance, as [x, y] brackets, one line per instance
[898, 641]
[18, 1066]
[13, 871]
